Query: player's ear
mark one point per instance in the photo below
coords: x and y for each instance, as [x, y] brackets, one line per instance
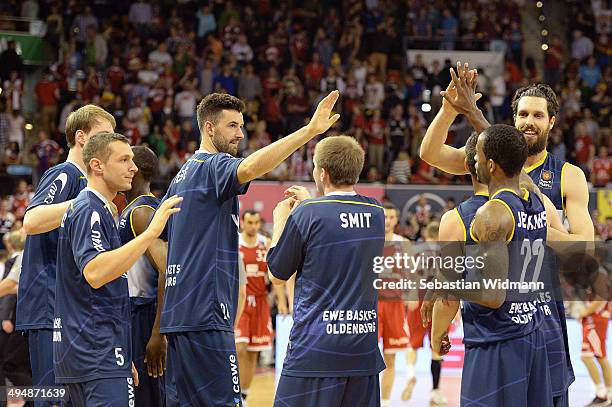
[95, 165]
[79, 137]
[209, 127]
[551, 122]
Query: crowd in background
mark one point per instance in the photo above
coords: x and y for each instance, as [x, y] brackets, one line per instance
[150, 62]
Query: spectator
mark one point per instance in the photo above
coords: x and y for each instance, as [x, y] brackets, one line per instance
[314, 72]
[375, 131]
[185, 103]
[582, 46]
[16, 127]
[160, 57]
[29, 9]
[374, 93]
[14, 90]
[96, 48]
[242, 50]
[10, 61]
[206, 22]
[80, 24]
[601, 173]
[400, 169]
[46, 153]
[141, 15]
[397, 128]
[249, 84]
[331, 82]
[7, 219]
[448, 30]
[590, 73]
[225, 82]
[553, 58]
[47, 91]
[558, 148]
[20, 200]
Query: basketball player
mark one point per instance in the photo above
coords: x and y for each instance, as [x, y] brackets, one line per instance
[146, 279]
[504, 335]
[595, 320]
[391, 308]
[254, 331]
[202, 274]
[58, 186]
[91, 337]
[330, 243]
[535, 108]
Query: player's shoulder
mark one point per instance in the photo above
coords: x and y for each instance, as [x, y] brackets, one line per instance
[572, 174]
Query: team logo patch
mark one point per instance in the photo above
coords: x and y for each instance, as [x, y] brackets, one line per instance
[546, 179]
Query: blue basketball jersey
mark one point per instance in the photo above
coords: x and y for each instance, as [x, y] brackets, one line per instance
[36, 294]
[467, 210]
[514, 318]
[91, 327]
[548, 175]
[202, 273]
[142, 277]
[331, 242]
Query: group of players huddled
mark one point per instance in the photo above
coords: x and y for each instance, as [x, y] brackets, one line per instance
[142, 307]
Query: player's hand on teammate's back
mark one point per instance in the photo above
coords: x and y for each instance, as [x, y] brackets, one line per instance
[321, 120]
[163, 213]
[7, 326]
[461, 94]
[298, 192]
[155, 356]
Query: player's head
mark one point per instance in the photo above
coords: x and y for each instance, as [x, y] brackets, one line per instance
[431, 231]
[251, 222]
[87, 121]
[470, 154]
[338, 161]
[220, 121]
[535, 108]
[501, 152]
[146, 161]
[108, 156]
[391, 217]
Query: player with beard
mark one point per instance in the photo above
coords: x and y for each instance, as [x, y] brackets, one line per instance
[202, 274]
[535, 108]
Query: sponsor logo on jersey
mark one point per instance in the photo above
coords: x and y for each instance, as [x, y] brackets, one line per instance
[96, 235]
[61, 179]
[546, 179]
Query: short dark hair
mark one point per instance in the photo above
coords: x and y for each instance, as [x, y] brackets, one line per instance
[539, 90]
[390, 205]
[250, 212]
[507, 147]
[97, 147]
[209, 108]
[470, 153]
[146, 161]
[84, 118]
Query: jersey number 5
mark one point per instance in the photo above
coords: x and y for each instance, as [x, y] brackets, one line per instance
[119, 356]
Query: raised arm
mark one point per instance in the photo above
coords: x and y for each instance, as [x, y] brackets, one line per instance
[266, 159]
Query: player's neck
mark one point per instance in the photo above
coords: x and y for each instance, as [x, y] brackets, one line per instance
[249, 240]
[100, 186]
[497, 184]
[138, 190]
[532, 159]
[207, 145]
[75, 154]
[328, 189]
[478, 187]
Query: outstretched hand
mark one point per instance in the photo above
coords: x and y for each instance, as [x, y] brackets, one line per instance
[321, 120]
[460, 95]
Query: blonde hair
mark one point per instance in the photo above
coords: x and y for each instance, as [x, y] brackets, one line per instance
[16, 239]
[84, 119]
[342, 158]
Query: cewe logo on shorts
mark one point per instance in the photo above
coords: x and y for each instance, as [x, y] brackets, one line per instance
[235, 377]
